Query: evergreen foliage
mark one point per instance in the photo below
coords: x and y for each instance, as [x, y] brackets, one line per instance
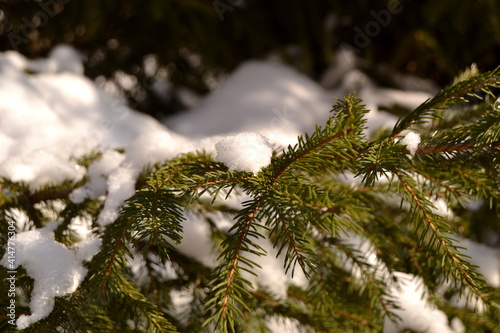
[302, 203]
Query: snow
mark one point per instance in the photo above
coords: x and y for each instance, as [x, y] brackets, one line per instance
[416, 313]
[50, 169]
[411, 141]
[283, 325]
[486, 257]
[121, 186]
[97, 173]
[244, 152]
[81, 227]
[56, 270]
[407, 291]
[268, 98]
[51, 118]
[48, 119]
[63, 58]
[147, 149]
[271, 274]
[196, 240]
[496, 105]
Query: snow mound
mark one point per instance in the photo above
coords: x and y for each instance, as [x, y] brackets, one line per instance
[50, 118]
[269, 98]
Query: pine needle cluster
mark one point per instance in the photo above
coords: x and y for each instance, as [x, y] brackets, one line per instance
[321, 203]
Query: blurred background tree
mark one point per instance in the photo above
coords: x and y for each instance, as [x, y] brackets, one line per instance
[193, 43]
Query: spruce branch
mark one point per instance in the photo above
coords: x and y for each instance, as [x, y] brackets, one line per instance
[151, 217]
[230, 287]
[374, 280]
[461, 269]
[455, 159]
[335, 292]
[327, 147]
[290, 236]
[296, 249]
[482, 186]
[197, 174]
[320, 321]
[462, 92]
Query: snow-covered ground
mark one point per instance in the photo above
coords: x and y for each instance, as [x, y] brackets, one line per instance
[51, 114]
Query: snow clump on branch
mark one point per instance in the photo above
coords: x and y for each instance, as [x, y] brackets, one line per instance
[411, 141]
[244, 152]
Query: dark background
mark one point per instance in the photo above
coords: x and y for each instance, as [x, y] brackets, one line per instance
[432, 39]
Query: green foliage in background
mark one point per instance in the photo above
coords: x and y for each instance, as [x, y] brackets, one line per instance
[301, 203]
[195, 42]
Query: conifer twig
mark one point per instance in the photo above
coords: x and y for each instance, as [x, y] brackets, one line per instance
[463, 275]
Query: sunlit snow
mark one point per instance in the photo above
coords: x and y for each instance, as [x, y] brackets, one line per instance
[244, 152]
